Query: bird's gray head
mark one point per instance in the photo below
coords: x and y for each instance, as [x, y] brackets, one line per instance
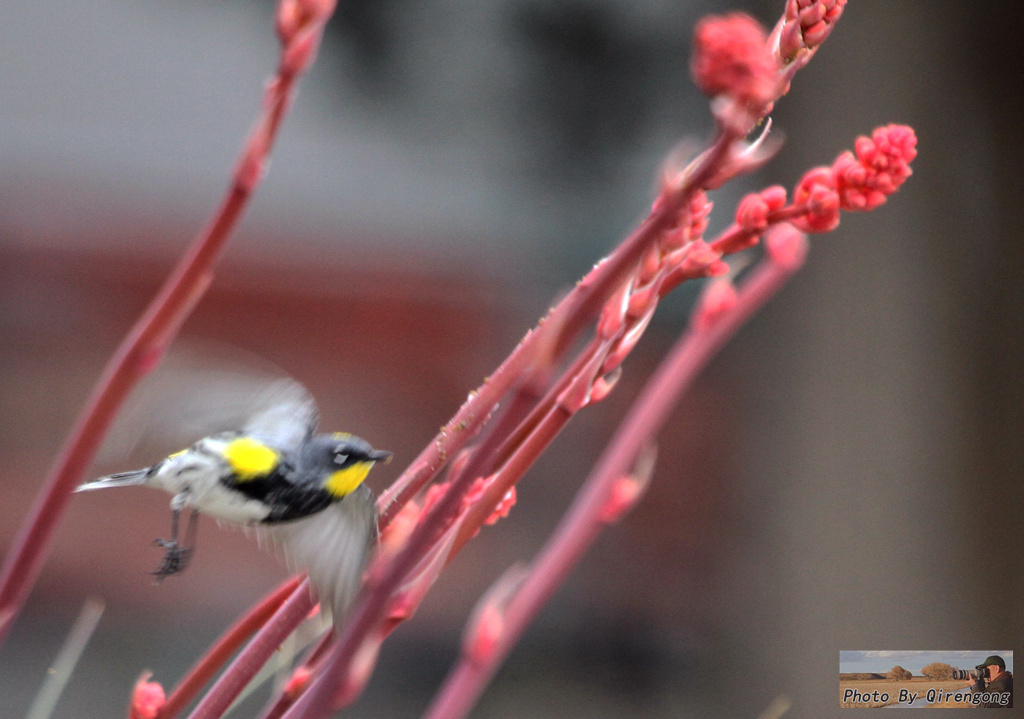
[344, 458]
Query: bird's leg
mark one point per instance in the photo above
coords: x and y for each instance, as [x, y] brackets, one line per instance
[177, 556]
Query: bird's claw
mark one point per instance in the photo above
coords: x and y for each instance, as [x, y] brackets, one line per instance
[175, 559]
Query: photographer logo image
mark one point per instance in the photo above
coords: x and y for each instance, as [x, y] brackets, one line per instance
[926, 679]
[990, 684]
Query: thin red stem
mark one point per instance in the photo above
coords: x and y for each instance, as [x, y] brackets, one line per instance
[566, 320]
[142, 349]
[583, 521]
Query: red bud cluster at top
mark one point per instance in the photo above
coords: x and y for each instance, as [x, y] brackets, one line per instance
[731, 57]
[861, 182]
[882, 164]
[807, 24]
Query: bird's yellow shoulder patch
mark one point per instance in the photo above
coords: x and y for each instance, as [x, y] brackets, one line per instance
[345, 481]
[249, 458]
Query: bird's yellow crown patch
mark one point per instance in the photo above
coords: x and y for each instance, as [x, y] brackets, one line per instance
[249, 458]
[344, 481]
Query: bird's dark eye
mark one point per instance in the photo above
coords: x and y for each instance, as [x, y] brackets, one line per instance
[340, 458]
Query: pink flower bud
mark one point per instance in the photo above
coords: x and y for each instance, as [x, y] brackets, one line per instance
[613, 314]
[880, 167]
[486, 634]
[754, 209]
[694, 261]
[288, 20]
[294, 16]
[398, 530]
[485, 629]
[697, 211]
[318, 8]
[808, 24]
[576, 396]
[147, 698]
[642, 300]
[503, 508]
[704, 261]
[627, 490]
[361, 668]
[476, 493]
[817, 196]
[786, 246]
[604, 384]
[296, 684]
[774, 197]
[649, 264]
[625, 344]
[752, 213]
[730, 57]
[433, 496]
[717, 299]
[625, 493]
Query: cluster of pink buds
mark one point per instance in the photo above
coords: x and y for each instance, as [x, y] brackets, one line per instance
[859, 180]
[881, 165]
[855, 182]
[806, 24]
[735, 59]
[731, 58]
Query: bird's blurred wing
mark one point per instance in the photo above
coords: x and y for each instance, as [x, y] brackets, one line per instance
[288, 416]
[200, 389]
[332, 547]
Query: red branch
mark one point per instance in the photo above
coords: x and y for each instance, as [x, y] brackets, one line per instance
[589, 512]
[300, 25]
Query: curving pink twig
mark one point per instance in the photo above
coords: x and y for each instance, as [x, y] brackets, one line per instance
[300, 25]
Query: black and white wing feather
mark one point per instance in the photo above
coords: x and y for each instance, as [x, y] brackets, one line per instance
[332, 547]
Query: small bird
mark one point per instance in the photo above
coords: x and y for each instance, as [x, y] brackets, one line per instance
[301, 490]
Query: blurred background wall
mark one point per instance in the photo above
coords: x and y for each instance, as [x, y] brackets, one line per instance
[846, 476]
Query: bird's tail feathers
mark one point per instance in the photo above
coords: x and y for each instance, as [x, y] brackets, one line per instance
[121, 479]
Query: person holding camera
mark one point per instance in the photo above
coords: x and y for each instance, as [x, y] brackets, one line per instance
[992, 678]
